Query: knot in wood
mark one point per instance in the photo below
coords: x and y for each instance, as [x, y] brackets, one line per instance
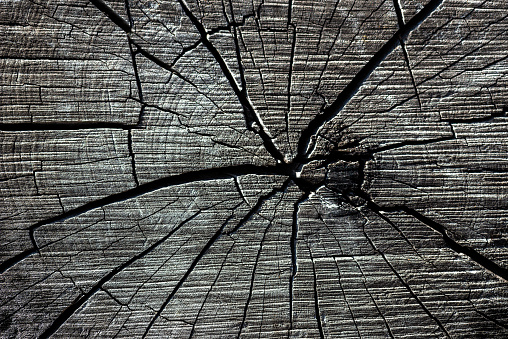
[344, 177]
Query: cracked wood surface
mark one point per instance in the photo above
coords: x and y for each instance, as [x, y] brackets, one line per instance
[225, 168]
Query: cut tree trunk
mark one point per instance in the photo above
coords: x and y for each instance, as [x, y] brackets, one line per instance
[223, 169]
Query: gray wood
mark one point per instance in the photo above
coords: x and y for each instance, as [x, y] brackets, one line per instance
[223, 169]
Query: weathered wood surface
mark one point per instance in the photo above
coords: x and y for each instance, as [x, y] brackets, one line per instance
[253, 168]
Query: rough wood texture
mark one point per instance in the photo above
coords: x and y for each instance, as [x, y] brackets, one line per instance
[264, 168]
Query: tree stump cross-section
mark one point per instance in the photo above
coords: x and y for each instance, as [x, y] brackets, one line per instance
[254, 169]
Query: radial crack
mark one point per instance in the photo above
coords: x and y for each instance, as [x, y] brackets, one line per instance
[401, 21]
[305, 143]
[237, 50]
[261, 200]
[115, 17]
[294, 254]
[410, 143]
[174, 180]
[290, 81]
[390, 333]
[251, 287]
[488, 118]
[73, 308]
[172, 70]
[470, 252]
[138, 82]
[133, 160]
[210, 290]
[252, 118]
[406, 285]
[316, 296]
[345, 298]
[258, 255]
[196, 260]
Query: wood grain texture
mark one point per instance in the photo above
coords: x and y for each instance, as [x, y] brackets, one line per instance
[224, 169]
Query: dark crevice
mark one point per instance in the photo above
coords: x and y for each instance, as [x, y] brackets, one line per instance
[455, 246]
[75, 232]
[254, 123]
[60, 202]
[230, 25]
[478, 258]
[258, 255]
[255, 66]
[466, 55]
[390, 333]
[401, 22]
[344, 295]
[225, 144]
[252, 118]
[115, 17]
[80, 301]
[17, 258]
[290, 12]
[138, 82]
[294, 254]
[406, 285]
[174, 180]
[470, 252]
[132, 157]
[410, 143]
[185, 50]
[239, 189]
[172, 70]
[320, 217]
[128, 11]
[160, 108]
[329, 52]
[115, 299]
[261, 200]
[24, 289]
[209, 291]
[238, 52]
[398, 230]
[194, 263]
[290, 81]
[305, 143]
[398, 11]
[252, 278]
[487, 317]
[150, 277]
[411, 75]
[34, 173]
